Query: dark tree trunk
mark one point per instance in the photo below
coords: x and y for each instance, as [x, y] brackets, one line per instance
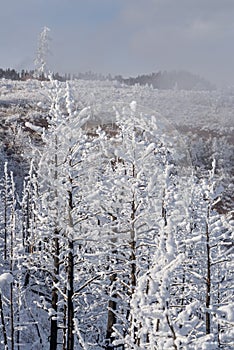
[172, 331]
[3, 325]
[54, 322]
[56, 251]
[11, 269]
[111, 317]
[5, 214]
[12, 318]
[65, 322]
[5, 227]
[133, 278]
[208, 273]
[70, 278]
[70, 292]
[112, 303]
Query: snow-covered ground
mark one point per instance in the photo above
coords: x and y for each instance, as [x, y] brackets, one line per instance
[200, 113]
[201, 121]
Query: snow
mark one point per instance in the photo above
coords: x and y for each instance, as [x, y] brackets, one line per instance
[228, 311]
[5, 278]
[34, 127]
[133, 106]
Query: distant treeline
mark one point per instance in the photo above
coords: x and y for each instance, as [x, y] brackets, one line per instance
[181, 80]
[12, 74]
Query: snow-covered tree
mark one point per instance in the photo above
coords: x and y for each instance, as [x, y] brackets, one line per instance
[43, 50]
[113, 242]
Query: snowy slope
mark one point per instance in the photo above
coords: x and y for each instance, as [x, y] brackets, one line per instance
[201, 120]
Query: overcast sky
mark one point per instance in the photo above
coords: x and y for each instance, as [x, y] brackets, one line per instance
[127, 37]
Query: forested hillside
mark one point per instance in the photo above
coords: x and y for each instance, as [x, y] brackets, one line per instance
[180, 80]
[116, 226]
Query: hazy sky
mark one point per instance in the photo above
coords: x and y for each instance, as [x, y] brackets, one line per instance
[127, 37]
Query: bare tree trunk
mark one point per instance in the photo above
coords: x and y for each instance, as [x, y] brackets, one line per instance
[164, 210]
[27, 226]
[164, 216]
[64, 322]
[70, 292]
[5, 210]
[18, 317]
[54, 322]
[133, 258]
[70, 278]
[12, 264]
[56, 251]
[218, 301]
[208, 273]
[172, 331]
[3, 325]
[12, 317]
[112, 304]
[5, 227]
[111, 317]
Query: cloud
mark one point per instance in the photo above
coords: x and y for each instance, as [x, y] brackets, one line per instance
[123, 36]
[189, 34]
[182, 17]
